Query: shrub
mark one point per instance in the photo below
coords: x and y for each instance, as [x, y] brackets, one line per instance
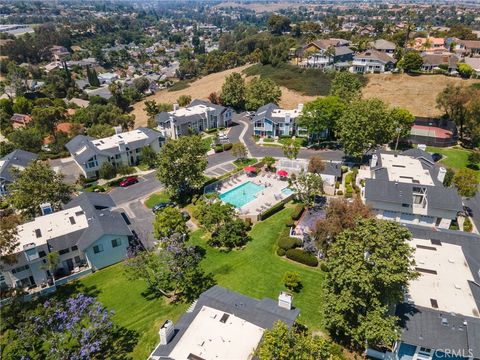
[289, 223]
[323, 266]
[95, 188]
[273, 210]
[287, 242]
[362, 182]
[227, 147]
[344, 169]
[280, 252]
[467, 225]
[337, 184]
[248, 222]
[211, 131]
[356, 189]
[339, 192]
[107, 171]
[348, 178]
[125, 169]
[267, 140]
[218, 149]
[115, 182]
[297, 211]
[302, 257]
[291, 280]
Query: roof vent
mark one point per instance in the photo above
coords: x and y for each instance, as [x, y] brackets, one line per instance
[46, 208]
[444, 321]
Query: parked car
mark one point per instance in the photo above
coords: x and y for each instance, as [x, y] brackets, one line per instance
[128, 181]
[162, 205]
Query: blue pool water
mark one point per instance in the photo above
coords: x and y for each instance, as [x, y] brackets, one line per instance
[242, 194]
[287, 191]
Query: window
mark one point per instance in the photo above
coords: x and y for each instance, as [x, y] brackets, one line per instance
[72, 220]
[64, 251]
[77, 259]
[20, 269]
[138, 150]
[116, 243]
[92, 162]
[74, 248]
[97, 248]
[42, 254]
[117, 156]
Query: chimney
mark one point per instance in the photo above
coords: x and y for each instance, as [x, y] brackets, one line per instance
[118, 129]
[441, 174]
[166, 332]
[121, 145]
[172, 128]
[422, 147]
[285, 300]
[287, 118]
[175, 107]
[300, 107]
[46, 208]
[374, 160]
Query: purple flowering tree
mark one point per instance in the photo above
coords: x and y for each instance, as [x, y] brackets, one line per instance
[78, 328]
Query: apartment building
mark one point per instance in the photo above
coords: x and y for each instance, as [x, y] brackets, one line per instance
[271, 121]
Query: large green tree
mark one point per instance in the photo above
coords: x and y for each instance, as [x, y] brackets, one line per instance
[169, 221]
[99, 131]
[321, 115]
[291, 148]
[346, 86]
[453, 100]
[8, 235]
[282, 343]
[233, 91]
[367, 270]
[466, 182]
[47, 118]
[35, 185]
[261, 92]
[278, 24]
[411, 61]
[181, 164]
[29, 139]
[364, 125]
[306, 185]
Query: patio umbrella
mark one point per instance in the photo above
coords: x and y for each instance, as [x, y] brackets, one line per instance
[250, 168]
[282, 173]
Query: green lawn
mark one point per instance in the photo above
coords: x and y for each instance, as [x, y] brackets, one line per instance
[157, 198]
[255, 271]
[452, 157]
[299, 140]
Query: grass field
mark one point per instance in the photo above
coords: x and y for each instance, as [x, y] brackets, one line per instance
[312, 82]
[156, 198]
[255, 271]
[453, 158]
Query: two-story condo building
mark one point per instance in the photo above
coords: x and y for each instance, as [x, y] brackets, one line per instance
[372, 61]
[222, 324]
[271, 121]
[408, 188]
[122, 148]
[200, 115]
[17, 159]
[440, 316]
[86, 234]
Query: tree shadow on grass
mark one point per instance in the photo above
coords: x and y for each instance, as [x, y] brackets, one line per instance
[149, 294]
[223, 270]
[122, 343]
[76, 287]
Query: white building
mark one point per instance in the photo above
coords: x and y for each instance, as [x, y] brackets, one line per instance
[121, 148]
[199, 116]
[409, 188]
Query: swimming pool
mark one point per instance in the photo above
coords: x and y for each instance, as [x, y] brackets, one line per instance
[242, 194]
[287, 191]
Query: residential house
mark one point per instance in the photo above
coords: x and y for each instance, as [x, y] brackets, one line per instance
[326, 52]
[440, 315]
[372, 61]
[86, 234]
[59, 52]
[119, 149]
[20, 120]
[271, 121]
[430, 44]
[469, 47]
[433, 62]
[200, 115]
[107, 78]
[102, 91]
[17, 159]
[222, 324]
[408, 188]
[384, 46]
[474, 63]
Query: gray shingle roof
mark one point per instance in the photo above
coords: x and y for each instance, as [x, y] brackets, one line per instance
[265, 112]
[20, 158]
[263, 313]
[180, 120]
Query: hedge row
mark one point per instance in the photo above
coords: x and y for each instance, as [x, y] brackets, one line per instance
[302, 257]
[297, 211]
[273, 210]
[220, 148]
[286, 242]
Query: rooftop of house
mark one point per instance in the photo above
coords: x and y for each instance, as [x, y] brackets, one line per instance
[214, 334]
[18, 159]
[375, 55]
[406, 169]
[118, 139]
[444, 281]
[50, 226]
[224, 323]
[197, 110]
[382, 44]
[273, 112]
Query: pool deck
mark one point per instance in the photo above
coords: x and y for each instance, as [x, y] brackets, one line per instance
[265, 199]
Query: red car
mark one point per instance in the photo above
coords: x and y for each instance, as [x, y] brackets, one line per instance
[129, 181]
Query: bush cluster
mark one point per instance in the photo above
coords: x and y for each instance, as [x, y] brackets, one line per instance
[297, 211]
[286, 242]
[227, 146]
[218, 149]
[273, 210]
[302, 257]
[467, 225]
